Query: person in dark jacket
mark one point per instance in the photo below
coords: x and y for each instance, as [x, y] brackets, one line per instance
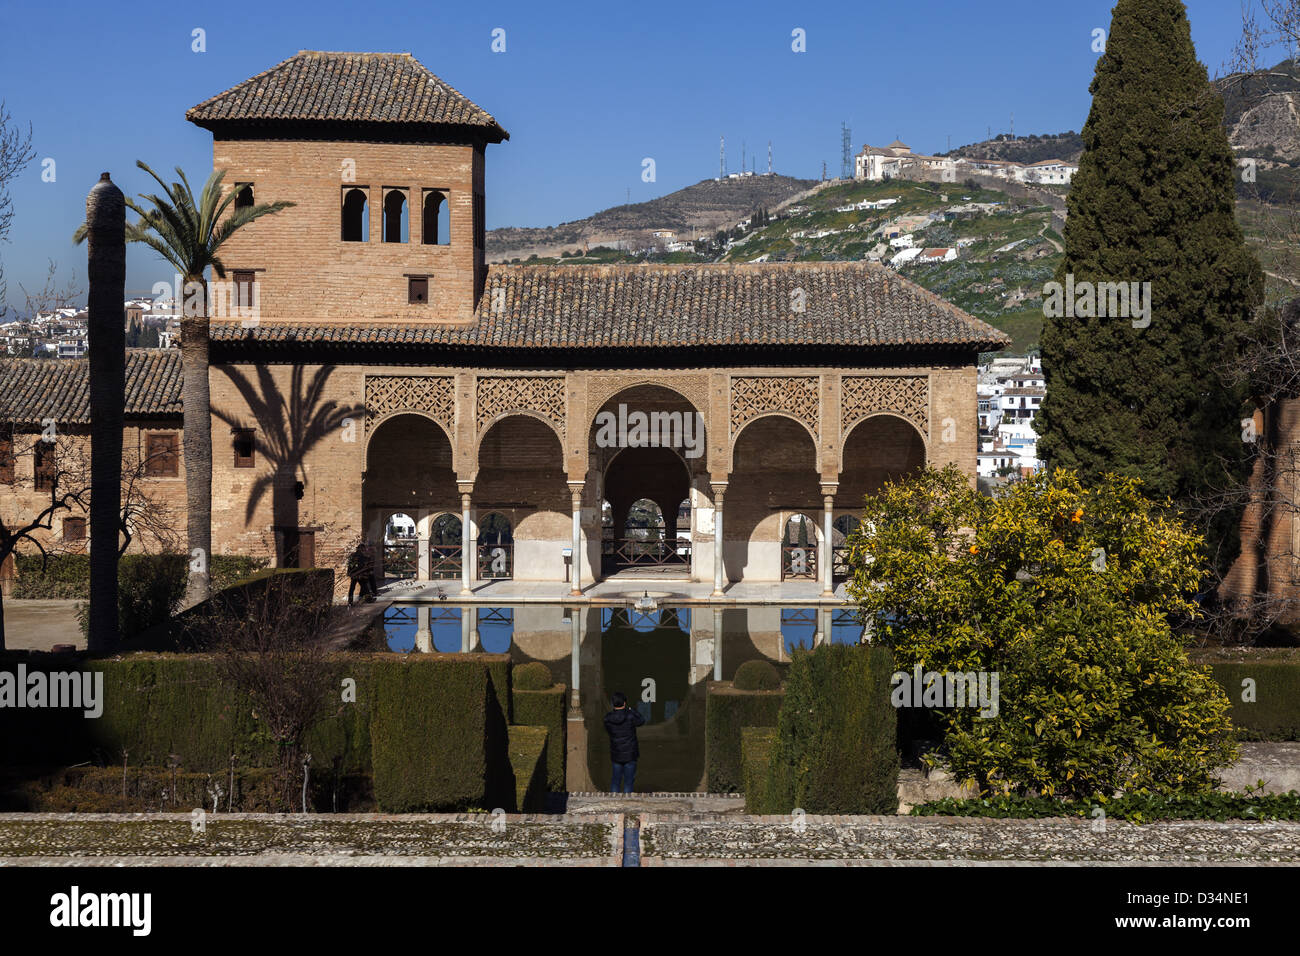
[361, 570]
[621, 724]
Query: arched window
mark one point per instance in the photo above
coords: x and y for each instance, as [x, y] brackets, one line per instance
[437, 213]
[799, 548]
[395, 216]
[495, 529]
[444, 547]
[356, 215]
[495, 547]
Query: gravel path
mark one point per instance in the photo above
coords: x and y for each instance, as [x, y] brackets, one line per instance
[677, 839]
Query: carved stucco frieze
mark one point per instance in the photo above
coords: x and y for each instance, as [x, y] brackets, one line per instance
[905, 395]
[498, 395]
[434, 395]
[758, 395]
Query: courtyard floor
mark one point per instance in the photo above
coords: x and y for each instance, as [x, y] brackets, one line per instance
[616, 591]
[598, 839]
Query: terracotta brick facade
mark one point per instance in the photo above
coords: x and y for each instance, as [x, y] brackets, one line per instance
[305, 271]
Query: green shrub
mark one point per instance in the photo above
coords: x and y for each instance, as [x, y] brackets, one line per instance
[528, 747]
[149, 586]
[532, 676]
[58, 576]
[67, 576]
[756, 745]
[1065, 593]
[757, 675]
[145, 789]
[727, 711]
[546, 708]
[836, 738]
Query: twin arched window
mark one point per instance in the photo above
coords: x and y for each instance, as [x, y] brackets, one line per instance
[435, 216]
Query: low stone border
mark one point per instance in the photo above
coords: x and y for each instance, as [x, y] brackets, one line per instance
[692, 839]
[311, 839]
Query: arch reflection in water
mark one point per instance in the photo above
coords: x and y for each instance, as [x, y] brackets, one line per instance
[662, 659]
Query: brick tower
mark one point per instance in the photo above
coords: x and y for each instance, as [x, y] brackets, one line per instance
[384, 162]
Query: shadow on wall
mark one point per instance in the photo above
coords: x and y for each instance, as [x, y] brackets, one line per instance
[285, 428]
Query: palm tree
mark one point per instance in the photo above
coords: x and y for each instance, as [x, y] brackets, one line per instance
[188, 232]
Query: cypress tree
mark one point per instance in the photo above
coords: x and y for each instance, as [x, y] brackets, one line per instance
[1153, 201]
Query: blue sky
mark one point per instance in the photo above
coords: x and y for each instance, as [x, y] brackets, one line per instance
[586, 90]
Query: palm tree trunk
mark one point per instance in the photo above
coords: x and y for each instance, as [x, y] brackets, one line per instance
[198, 446]
[106, 272]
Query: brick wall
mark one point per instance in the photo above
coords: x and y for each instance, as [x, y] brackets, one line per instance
[305, 269]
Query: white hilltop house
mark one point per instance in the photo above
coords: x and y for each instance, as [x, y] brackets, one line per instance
[887, 162]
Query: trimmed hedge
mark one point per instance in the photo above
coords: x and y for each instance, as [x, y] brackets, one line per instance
[545, 708]
[438, 737]
[67, 576]
[727, 711]
[151, 789]
[1275, 712]
[532, 676]
[428, 727]
[756, 745]
[835, 748]
[757, 675]
[159, 705]
[528, 748]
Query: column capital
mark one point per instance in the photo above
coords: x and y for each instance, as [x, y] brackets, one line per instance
[719, 487]
[465, 487]
[829, 488]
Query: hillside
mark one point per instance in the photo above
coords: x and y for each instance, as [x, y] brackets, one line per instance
[1007, 250]
[704, 207]
[1025, 149]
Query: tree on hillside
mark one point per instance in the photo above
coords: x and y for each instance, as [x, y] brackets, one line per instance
[1153, 202]
[188, 231]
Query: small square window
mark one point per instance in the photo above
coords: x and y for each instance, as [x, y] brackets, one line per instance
[160, 455]
[417, 290]
[74, 529]
[245, 447]
[44, 467]
[243, 195]
[244, 279]
[6, 459]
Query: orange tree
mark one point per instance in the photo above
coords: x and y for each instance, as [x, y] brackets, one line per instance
[1066, 593]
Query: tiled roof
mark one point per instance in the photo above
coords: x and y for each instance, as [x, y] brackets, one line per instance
[851, 304]
[35, 389]
[346, 87]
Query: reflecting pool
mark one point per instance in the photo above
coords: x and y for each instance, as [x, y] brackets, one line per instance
[661, 659]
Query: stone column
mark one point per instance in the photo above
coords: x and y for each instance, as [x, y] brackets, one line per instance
[575, 695]
[719, 490]
[466, 539]
[423, 632]
[466, 637]
[717, 643]
[575, 498]
[826, 555]
[577, 779]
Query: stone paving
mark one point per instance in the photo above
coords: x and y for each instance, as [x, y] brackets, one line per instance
[676, 839]
[310, 839]
[590, 835]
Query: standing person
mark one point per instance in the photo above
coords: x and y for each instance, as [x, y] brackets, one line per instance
[621, 724]
[369, 566]
[358, 571]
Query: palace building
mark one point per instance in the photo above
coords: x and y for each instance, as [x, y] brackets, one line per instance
[391, 384]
